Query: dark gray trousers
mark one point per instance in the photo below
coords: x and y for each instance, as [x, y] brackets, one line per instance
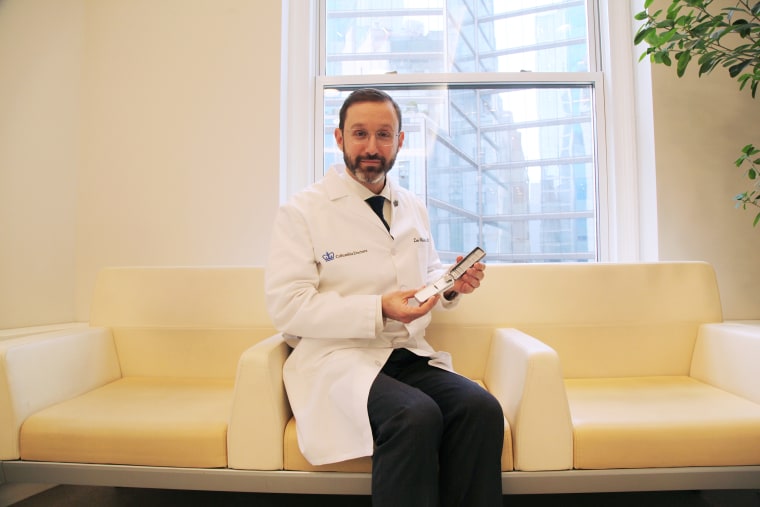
[438, 437]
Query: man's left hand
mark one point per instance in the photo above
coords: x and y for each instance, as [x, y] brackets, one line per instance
[471, 279]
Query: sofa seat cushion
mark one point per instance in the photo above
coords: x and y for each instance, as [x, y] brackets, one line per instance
[671, 421]
[155, 421]
[294, 460]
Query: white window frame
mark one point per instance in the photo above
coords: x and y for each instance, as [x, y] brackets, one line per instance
[626, 181]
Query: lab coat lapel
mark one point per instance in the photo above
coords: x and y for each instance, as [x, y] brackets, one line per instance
[338, 190]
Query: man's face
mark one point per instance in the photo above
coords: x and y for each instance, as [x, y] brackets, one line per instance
[370, 141]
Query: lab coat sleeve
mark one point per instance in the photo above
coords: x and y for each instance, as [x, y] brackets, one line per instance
[295, 303]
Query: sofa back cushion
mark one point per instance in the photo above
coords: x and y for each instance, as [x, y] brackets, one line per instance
[604, 320]
[181, 321]
[468, 345]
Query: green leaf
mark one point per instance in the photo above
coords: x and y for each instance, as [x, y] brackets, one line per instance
[757, 219]
[673, 10]
[742, 27]
[667, 36]
[641, 16]
[707, 66]
[735, 70]
[651, 38]
[642, 34]
[683, 61]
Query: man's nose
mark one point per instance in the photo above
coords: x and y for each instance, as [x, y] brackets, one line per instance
[372, 146]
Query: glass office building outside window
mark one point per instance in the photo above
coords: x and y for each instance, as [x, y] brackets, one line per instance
[501, 112]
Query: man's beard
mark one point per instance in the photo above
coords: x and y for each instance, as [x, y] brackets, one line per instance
[369, 175]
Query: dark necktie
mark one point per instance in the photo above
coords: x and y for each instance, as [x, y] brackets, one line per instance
[376, 202]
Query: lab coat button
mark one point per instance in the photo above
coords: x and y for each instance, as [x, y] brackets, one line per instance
[378, 363]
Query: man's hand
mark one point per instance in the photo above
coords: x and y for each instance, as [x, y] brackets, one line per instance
[471, 278]
[396, 306]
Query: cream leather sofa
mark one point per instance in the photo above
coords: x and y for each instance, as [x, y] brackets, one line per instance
[613, 377]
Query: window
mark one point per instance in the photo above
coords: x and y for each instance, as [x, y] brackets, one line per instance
[504, 113]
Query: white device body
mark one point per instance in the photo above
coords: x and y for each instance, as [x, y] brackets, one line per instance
[442, 285]
[447, 281]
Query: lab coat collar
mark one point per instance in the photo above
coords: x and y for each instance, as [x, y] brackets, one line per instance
[340, 184]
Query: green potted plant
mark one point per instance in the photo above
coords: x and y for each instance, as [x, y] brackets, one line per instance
[713, 36]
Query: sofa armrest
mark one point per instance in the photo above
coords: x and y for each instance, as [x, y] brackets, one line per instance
[37, 371]
[260, 408]
[726, 355]
[525, 376]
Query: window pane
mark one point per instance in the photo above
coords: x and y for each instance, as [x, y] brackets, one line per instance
[511, 168]
[435, 36]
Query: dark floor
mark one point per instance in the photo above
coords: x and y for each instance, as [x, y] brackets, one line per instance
[70, 496]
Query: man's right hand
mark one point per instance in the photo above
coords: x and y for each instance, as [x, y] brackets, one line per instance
[397, 306]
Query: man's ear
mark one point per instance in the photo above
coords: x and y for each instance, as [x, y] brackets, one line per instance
[338, 138]
[400, 139]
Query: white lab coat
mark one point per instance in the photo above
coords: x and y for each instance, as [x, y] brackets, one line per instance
[331, 258]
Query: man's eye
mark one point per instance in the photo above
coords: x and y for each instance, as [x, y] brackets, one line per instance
[360, 134]
[384, 136]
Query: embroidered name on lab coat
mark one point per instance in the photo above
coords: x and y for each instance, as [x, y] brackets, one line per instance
[331, 256]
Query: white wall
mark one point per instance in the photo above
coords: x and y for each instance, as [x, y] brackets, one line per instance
[701, 125]
[41, 45]
[136, 132]
[181, 130]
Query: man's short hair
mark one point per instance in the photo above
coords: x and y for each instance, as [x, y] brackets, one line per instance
[367, 95]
